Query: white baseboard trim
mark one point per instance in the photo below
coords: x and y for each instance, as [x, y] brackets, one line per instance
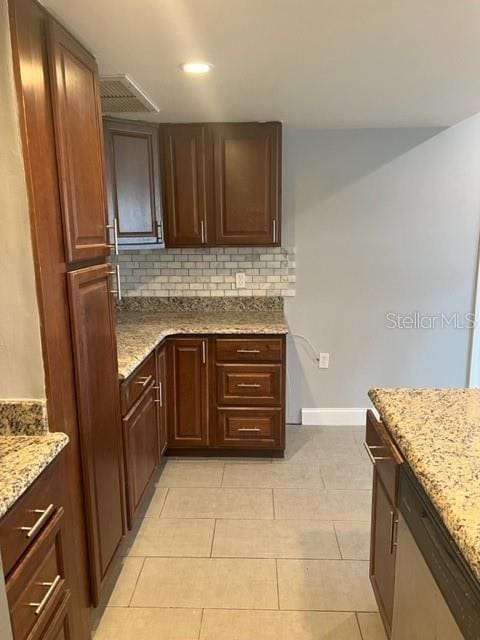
[333, 417]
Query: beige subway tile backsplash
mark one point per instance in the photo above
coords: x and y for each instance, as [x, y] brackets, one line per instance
[208, 272]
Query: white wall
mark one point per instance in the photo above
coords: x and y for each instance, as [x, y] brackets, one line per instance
[21, 367]
[383, 221]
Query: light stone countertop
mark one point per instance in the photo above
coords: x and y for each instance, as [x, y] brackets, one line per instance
[22, 460]
[438, 432]
[139, 332]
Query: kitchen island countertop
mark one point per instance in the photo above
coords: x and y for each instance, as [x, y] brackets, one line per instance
[438, 432]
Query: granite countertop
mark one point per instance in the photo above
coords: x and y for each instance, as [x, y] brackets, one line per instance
[22, 460]
[139, 332]
[438, 432]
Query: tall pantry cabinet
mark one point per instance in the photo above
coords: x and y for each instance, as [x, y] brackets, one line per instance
[61, 129]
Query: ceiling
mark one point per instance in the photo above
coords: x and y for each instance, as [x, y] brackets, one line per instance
[310, 63]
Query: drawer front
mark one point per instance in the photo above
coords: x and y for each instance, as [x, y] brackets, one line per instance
[59, 627]
[243, 384]
[254, 428]
[249, 349]
[383, 454]
[37, 587]
[24, 522]
[135, 385]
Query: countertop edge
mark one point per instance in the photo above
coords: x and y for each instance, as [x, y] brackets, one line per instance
[126, 372]
[21, 479]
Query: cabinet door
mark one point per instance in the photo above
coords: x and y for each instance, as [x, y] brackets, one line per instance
[186, 191]
[133, 180]
[141, 442]
[247, 170]
[79, 145]
[187, 392]
[162, 398]
[383, 549]
[95, 355]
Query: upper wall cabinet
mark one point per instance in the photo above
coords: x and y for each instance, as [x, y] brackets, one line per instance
[187, 192]
[78, 137]
[222, 184]
[133, 181]
[247, 175]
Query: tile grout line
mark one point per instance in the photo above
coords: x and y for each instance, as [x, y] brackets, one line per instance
[338, 541]
[164, 502]
[278, 585]
[273, 504]
[358, 625]
[201, 624]
[223, 475]
[136, 583]
[213, 537]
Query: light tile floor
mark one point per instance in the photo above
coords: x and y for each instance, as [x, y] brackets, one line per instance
[242, 550]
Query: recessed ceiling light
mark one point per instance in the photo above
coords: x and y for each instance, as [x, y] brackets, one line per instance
[196, 68]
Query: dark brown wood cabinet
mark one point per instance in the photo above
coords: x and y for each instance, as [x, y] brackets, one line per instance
[161, 361]
[78, 135]
[37, 577]
[133, 180]
[140, 434]
[59, 113]
[187, 392]
[386, 461]
[247, 176]
[222, 184]
[186, 186]
[95, 354]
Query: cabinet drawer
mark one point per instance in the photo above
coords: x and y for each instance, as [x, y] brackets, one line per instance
[243, 384]
[135, 385]
[255, 428]
[249, 349]
[383, 454]
[23, 523]
[37, 587]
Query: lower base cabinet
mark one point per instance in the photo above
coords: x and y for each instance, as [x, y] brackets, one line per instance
[386, 461]
[187, 392]
[420, 612]
[141, 448]
[32, 544]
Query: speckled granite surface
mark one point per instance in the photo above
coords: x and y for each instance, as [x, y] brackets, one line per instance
[438, 431]
[199, 304]
[23, 417]
[22, 460]
[138, 332]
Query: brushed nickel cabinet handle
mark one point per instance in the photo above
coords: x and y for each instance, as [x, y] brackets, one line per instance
[160, 394]
[204, 352]
[248, 350]
[40, 606]
[159, 232]
[202, 231]
[144, 380]
[245, 384]
[274, 225]
[45, 514]
[374, 459]
[249, 429]
[114, 227]
[118, 291]
[393, 524]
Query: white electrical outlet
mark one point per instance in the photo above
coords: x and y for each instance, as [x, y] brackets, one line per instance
[240, 280]
[323, 360]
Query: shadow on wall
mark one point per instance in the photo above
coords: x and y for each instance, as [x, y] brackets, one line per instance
[383, 221]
